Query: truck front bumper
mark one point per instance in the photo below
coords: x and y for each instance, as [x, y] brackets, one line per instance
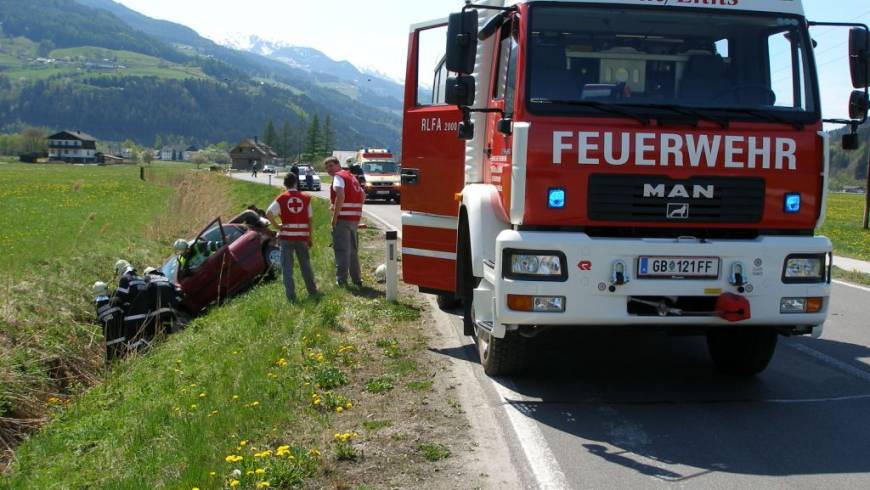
[592, 298]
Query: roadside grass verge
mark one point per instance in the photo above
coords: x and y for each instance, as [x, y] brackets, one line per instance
[64, 227]
[260, 391]
[851, 276]
[843, 226]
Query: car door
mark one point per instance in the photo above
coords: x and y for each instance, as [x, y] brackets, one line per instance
[201, 284]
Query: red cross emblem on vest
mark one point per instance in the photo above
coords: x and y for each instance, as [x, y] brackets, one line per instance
[295, 205]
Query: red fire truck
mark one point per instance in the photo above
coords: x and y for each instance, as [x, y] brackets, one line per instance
[646, 163]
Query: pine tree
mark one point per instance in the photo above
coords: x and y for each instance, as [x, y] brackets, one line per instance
[286, 141]
[270, 137]
[312, 139]
[328, 136]
[158, 142]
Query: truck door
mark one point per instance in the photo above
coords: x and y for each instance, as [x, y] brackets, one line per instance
[433, 165]
[497, 152]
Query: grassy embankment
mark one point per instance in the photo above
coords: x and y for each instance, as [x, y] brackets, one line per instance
[843, 227]
[283, 394]
[63, 229]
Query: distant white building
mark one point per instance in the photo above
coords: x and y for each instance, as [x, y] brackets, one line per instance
[72, 147]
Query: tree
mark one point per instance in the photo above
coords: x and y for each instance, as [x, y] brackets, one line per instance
[270, 137]
[312, 139]
[220, 157]
[147, 156]
[46, 46]
[199, 158]
[158, 142]
[33, 140]
[328, 136]
[286, 140]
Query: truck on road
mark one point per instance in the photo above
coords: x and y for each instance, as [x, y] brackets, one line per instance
[617, 163]
[381, 171]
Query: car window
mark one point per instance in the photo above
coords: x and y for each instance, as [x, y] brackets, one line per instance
[234, 232]
[213, 234]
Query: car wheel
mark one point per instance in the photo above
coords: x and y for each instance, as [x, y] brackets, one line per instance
[273, 258]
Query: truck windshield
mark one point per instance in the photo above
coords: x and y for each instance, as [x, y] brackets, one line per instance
[381, 168]
[641, 58]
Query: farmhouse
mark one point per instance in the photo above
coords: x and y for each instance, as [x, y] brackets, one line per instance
[251, 151]
[72, 147]
[174, 153]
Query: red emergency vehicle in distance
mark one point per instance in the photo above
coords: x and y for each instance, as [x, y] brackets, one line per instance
[623, 163]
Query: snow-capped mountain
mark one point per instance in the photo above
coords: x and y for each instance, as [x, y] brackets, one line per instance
[311, 60]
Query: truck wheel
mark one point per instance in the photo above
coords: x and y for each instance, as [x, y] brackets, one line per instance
[447, 301]
[501, 357]
[742, 353]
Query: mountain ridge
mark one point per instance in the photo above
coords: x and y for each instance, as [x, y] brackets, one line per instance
[225, 94]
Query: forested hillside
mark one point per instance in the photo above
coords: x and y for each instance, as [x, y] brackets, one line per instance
[850, 167]
[67, 65]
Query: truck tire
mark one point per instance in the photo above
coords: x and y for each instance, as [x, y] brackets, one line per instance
[742, 353]
[447, 301]
[501, 357]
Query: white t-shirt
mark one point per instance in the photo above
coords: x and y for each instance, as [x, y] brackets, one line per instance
[337, 182]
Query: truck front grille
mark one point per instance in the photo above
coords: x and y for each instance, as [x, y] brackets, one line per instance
[653, 198]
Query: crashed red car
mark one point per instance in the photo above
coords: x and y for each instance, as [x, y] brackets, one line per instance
[248, 251]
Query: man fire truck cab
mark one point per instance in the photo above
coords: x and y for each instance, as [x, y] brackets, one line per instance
[640, 163]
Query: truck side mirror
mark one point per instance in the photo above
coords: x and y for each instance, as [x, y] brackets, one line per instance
[850, 142]
[460, 90]
[858, 105]
[466, 130]
[462, 42]
[859, 57]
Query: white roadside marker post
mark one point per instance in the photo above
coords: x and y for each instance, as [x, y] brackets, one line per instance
[392, 266]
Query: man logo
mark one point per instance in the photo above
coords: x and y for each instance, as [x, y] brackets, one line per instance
[678, 211]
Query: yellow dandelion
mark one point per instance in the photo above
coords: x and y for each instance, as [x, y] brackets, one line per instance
[249, 472]
[338, 409]
[263, 484]
[234, 483]
[348, 405]
[212, 473]
[202, 395]
[243, 442]
[235, 397]
[259, 471]
[193, 407]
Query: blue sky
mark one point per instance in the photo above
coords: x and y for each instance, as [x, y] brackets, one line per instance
[373, 33]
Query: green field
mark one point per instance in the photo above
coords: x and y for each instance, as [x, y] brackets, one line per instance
[843, 225]
[273, 390]
[15, 64]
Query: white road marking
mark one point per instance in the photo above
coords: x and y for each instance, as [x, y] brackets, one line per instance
[831, 361]
[538, 455]
[850, 285]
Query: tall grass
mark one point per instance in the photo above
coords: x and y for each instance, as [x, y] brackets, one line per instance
[63, 228]
[843, 226]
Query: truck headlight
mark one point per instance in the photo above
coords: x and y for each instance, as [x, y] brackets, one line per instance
[534, 265]
[804, 268]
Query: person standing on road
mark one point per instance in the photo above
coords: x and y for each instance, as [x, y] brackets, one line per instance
[295, 169]
[347, 199]
[254, 167]
[295, 234]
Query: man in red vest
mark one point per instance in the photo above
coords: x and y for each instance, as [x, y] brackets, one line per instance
[295, 234]
[347, 198]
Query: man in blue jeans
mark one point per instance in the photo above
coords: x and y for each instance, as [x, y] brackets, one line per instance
[295, 234]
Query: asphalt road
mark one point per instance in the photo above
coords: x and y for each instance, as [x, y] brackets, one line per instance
[636, 410]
